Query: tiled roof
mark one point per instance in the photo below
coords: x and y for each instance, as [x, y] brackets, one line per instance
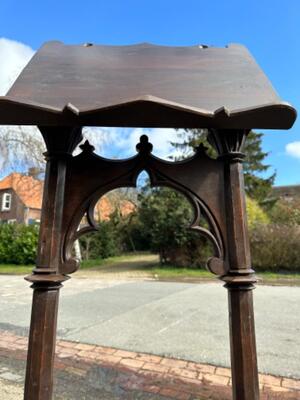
[29, 190]
[105, 207]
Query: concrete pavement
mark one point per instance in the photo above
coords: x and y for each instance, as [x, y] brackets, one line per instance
[187, 321]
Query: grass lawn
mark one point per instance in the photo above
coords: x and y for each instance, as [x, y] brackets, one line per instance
[169, 272]
[278, 276]
[125, 261]
[12, 269]
[146, 265]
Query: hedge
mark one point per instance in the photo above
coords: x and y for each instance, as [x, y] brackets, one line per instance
[275, 248]
[18, 244]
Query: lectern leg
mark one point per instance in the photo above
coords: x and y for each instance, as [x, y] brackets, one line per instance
[243, 346]
[42, 338]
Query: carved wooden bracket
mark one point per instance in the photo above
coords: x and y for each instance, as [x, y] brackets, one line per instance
[200, 178]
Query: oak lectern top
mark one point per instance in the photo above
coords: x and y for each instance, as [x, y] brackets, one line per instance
[144, 85]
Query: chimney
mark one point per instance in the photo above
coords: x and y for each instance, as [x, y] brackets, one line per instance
[34, 172]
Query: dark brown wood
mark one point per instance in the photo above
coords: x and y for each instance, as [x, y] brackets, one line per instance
[200, 179]
[242, 343]
[40, 358]
[145, 85]
[46, 277]
[59, 151]
[240, 277]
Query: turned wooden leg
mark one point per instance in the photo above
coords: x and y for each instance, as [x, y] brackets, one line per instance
[240, 276]
[42, 338]
[46, 278]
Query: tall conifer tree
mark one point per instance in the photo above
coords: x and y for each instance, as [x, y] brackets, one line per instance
[257, 185]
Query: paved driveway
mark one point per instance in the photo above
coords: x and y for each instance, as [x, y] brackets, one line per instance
[175, 319]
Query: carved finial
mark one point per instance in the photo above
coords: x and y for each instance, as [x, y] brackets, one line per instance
[86, 147]
[144, 146]
[201, 149]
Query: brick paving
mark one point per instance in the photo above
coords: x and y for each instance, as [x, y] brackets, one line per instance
[129, 372]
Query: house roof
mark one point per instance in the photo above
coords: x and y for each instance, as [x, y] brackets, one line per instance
[145, 85]
[29, 190]
[290, 190]
[105, 207]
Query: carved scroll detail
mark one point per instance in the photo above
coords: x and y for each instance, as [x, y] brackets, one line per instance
[98, 176]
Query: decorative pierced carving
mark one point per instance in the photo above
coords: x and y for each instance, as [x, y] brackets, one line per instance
[199, 178]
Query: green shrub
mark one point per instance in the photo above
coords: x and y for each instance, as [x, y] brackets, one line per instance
[6, 243]
[165, 215]
[255, 213]
[286, 212]
[106, 239]
[275, 247]
[101, 244]
[18, 244]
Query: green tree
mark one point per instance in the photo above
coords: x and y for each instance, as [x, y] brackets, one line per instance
[256, 215]
[257, 186]
[101, 244]
[286, 213]
[164, 216]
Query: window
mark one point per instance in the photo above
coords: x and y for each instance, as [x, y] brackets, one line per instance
[32, 221]
[6, 201]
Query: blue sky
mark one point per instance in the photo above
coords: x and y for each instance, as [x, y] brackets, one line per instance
[269, 28]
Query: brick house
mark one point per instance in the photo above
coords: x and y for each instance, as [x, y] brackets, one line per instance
[106, 206]
[290, 193]
[20, 199]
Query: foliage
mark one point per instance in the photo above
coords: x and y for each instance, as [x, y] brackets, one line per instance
[255, 214]
[164, 216]
[6, 235]
[190, 139]
[287, 213]
[256, 186]
[18, 243]
[101, 244]
[131, 235]
[275, 248]
[22, 147]
[160, 223]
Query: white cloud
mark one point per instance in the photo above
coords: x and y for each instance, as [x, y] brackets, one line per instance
[14, 56]
[109, 142]
[293, 149]
[124, 141]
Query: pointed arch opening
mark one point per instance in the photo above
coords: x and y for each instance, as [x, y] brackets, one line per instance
[157, 223]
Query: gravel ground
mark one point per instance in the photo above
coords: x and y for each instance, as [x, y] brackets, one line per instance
[10, 390]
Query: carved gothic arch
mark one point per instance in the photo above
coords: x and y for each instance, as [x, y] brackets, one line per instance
[101, 175]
